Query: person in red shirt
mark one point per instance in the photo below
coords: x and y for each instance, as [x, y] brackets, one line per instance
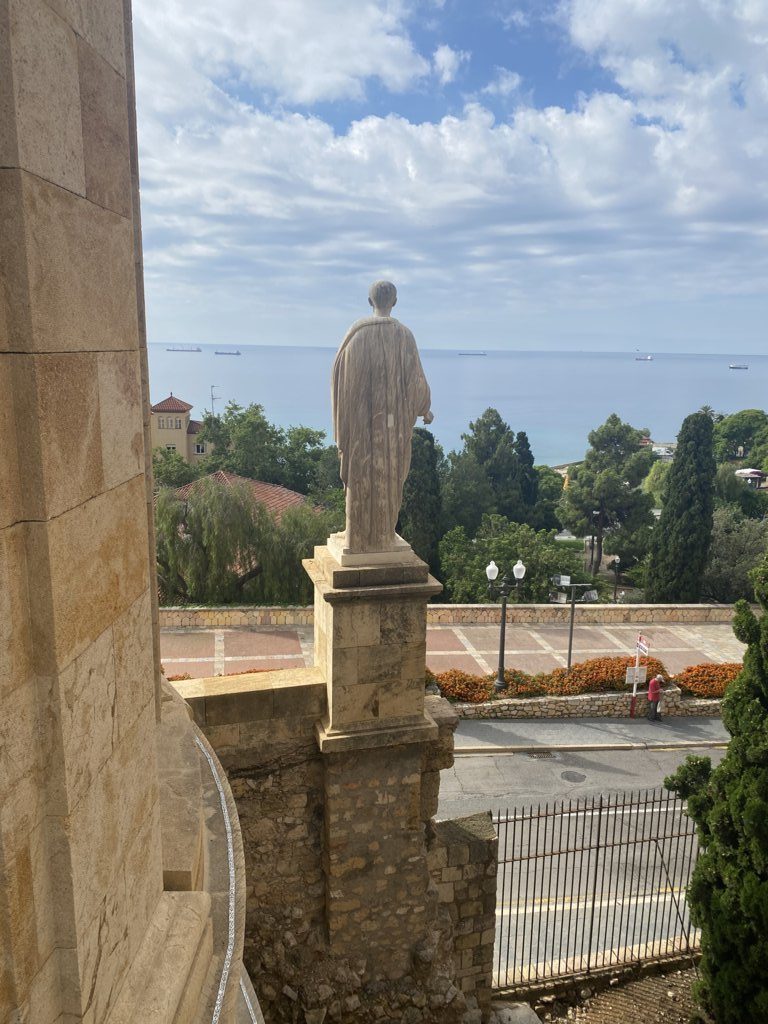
[654, 696]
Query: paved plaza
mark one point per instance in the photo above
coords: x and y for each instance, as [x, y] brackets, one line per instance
[535, 648]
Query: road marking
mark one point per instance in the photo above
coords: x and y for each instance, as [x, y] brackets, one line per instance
[672, 745]
[547, 906]
[471, 649]
[218, 653]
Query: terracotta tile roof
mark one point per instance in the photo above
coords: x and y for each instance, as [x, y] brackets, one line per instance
[275, 498]
[171, 404]
[195, 426]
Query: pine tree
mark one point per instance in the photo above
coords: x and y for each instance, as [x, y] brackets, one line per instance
[421, 515]
[681, 539]
[728, 893]
[603, 496]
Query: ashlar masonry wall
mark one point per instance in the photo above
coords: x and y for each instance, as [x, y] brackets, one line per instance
[263, 730]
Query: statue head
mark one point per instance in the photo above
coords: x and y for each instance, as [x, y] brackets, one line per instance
[382, 296]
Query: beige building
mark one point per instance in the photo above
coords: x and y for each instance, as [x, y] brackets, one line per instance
[171, 427]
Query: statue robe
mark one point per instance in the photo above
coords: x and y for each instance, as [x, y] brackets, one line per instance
[378, 390]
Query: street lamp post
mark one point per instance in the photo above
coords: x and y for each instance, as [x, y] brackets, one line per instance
[503, 590]
[590, 594]
[616, 563]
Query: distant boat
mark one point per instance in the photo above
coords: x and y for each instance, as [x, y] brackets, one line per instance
[643, 359]
[475, 353]
[737, 366]
[228, 352]
[183, 348]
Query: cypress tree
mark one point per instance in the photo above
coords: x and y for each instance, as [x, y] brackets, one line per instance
[421, 514]
[681, 538]
[728, 893]
[529, 478]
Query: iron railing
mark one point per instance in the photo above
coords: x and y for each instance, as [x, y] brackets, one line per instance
[587, 884]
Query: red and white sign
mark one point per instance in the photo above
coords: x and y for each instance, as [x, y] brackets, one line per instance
[643, 643]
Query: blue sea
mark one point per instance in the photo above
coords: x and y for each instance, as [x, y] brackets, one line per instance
[556, 397]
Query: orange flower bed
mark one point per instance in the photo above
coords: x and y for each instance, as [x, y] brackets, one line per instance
[708, 680]
[594, 676]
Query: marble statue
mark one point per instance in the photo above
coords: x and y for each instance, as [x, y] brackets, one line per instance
[378, 391]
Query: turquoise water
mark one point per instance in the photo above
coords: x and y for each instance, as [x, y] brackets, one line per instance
[557, 397]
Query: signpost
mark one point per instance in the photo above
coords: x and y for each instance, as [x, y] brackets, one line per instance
[642, 645]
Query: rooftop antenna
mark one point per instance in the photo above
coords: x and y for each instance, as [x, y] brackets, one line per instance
[214, 397]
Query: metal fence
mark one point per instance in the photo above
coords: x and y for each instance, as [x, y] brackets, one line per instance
[590, 883]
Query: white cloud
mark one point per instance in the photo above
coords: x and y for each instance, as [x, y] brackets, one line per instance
[302, 51]
[253, 208]
[447, 62]
[504, 83]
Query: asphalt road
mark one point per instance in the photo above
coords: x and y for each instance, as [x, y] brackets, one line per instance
[580, 884]
[554, 769]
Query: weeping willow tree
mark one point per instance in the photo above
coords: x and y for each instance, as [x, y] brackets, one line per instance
[218, 545]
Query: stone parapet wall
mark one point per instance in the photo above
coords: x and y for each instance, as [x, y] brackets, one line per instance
[190, 616]
[589, 705]
[463, 862]
[263, 729]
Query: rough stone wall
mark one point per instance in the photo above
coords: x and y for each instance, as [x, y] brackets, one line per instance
[464, 861]
[589, 705]
[263, 731]
[455, 614]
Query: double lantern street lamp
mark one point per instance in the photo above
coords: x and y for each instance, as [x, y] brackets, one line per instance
[503, 589]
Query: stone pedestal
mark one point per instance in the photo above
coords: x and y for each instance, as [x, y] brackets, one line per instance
[370, 644]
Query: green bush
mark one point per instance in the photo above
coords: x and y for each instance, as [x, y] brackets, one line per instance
[728, 893]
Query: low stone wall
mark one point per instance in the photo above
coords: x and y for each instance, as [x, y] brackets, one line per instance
[589, 705]
[463, 863]
[456, 614]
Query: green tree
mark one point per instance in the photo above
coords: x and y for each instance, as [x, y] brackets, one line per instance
[733, 490]
[300, 458]
[508, 464]
[602, 494]
[681, 539]
[656, 482]
[746, 429]
[328, 489]
[728, 893]
[219, 546]
[169, 469]
[244, 442]
[421, 515]
[467, 492]
[549, 491]
[485, 435]
[738, 544]
[529, 479]
[463, 559]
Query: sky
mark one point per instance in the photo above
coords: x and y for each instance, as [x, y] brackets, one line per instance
[532, 174]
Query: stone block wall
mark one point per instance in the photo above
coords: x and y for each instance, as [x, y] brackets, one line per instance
[589, 705]
[80, 856]
[463, 862]
[455, 614]
[347, 967]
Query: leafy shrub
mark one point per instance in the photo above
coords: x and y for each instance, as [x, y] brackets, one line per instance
[707, 680]
[594, 676]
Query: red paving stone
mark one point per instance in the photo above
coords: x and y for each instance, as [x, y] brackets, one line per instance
[534, 663]
[265, 642]
[193, 669]
[443, 640]
[463, 662]
[275, 648]
[187, 645]
[486, 638]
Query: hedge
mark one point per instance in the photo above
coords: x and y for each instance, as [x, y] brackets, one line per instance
[598, 675]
